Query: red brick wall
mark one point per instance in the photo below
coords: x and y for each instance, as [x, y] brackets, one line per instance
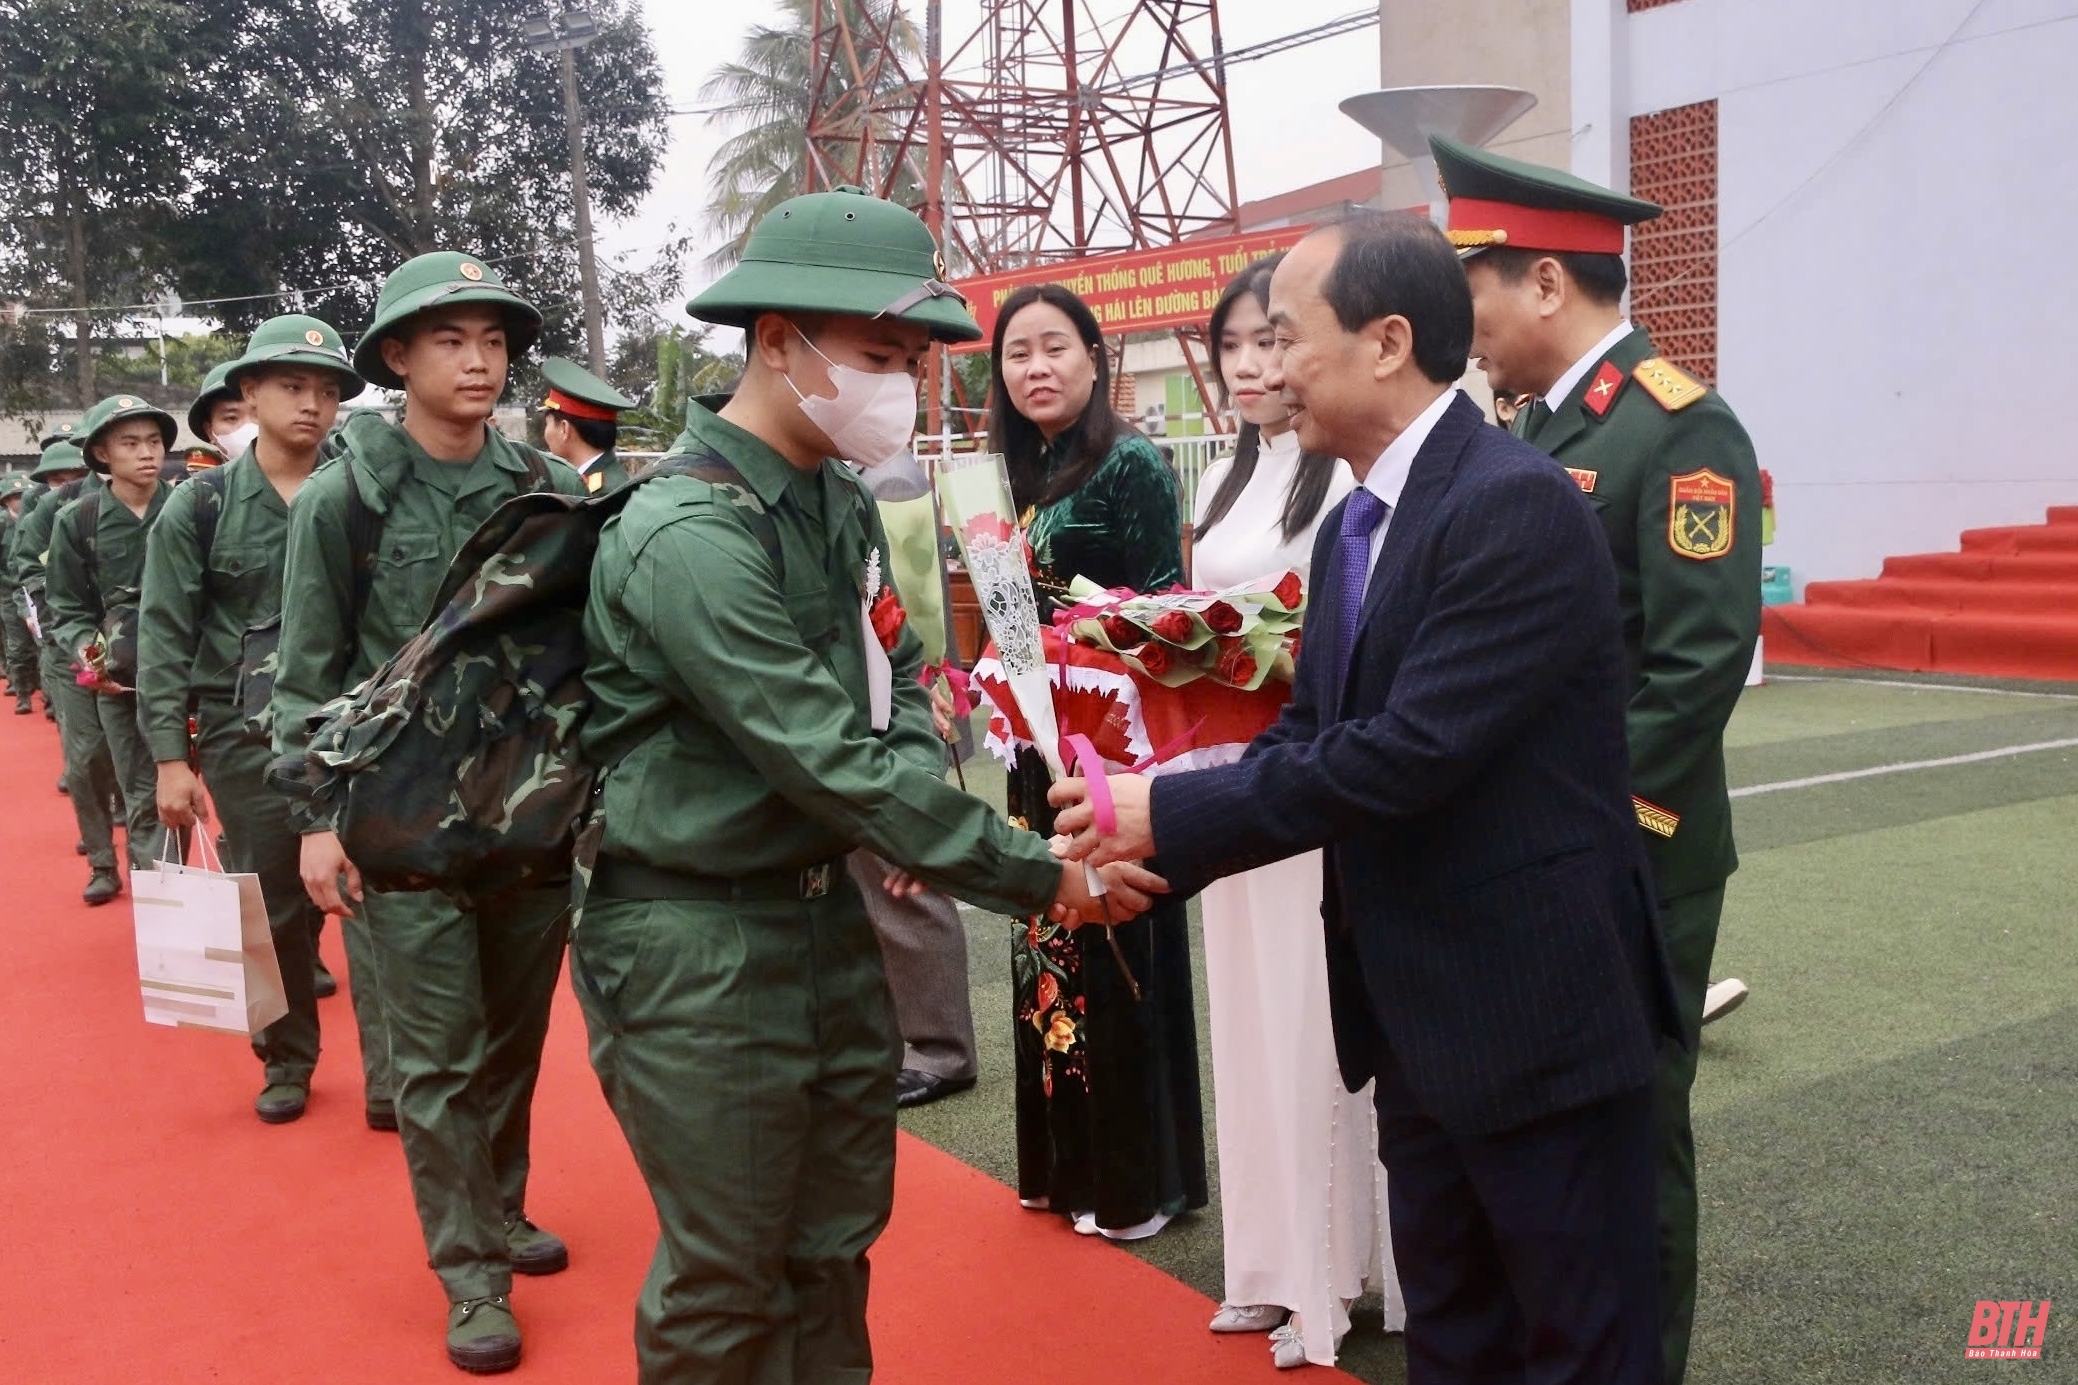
[1674, 256]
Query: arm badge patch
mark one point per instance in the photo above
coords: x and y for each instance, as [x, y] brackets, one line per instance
[1699, 515]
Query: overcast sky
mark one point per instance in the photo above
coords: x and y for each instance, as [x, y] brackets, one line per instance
[1286, 130]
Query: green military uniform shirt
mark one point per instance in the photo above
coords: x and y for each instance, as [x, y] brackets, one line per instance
[90, 574]
[32, 535]
[197, 607]
[730, 702]
[1673, 474]
[426, 510]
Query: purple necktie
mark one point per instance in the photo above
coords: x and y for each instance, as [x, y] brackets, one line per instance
[1364, 513]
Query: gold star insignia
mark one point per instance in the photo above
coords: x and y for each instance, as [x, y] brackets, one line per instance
[314, 337]
[472, 272]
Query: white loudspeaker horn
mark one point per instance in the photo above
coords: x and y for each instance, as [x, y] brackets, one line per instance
[1405, 117]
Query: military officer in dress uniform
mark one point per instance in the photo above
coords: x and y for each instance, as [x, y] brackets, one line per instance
[756, 717]
[580, 423]
[1673, 474]
[465, 985]
[213, 570]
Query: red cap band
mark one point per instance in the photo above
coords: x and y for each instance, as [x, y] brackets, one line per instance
[578, 408]
[1534, 228]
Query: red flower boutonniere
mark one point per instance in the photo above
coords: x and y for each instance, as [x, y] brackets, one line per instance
[887, 616]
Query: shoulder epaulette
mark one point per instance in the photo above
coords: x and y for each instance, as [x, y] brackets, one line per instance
[1673, 387]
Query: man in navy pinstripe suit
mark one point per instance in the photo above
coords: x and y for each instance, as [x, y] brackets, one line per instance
[1455, 742]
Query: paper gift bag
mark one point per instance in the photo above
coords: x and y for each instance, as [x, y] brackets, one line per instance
[205, 954]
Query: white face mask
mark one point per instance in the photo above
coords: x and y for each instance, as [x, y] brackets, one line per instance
[873, 417]
[234, 441]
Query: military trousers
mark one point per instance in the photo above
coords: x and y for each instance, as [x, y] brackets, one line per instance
[260, 839]
[747, 1051]
[90, 779]
[136, 772]
[23, 657]
[466, 994]
[1689, 923]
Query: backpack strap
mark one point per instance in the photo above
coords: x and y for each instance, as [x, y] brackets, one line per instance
[363, 539]
[90, 519]
[214, 482]
[718, 470]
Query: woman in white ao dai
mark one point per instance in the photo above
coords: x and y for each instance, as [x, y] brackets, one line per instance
[1302, 1195]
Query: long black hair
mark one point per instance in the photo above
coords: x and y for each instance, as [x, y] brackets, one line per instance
[1084, 443]
[1309, 487]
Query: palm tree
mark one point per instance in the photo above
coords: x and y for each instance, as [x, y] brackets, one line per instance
[765, 94]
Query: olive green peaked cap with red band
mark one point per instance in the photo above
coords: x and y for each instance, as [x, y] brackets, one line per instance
[842, 251]
[1495, 200]
[442, 279]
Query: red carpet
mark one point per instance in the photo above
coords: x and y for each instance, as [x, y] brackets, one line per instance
[2005, 606]
[156, 1231]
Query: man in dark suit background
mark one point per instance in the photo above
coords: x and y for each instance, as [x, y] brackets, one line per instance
[1455, 742]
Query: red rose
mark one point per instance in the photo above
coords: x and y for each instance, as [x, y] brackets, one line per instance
[1223, 619]
[1290, 591]
[887, 615]
[1122, 633]
[1155, 658]
[1174, 626]
[1237, 666]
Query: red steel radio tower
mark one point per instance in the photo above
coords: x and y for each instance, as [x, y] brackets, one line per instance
[1050, 130]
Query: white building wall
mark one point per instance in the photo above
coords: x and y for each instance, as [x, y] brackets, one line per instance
[1896, 302]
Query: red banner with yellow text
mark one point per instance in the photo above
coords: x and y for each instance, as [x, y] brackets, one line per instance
[1136, 290]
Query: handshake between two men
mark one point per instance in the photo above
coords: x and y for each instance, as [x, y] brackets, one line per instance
[1116, 854]
[1130, 888]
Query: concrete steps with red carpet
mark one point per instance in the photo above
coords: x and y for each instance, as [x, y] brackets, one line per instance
[2005, 606]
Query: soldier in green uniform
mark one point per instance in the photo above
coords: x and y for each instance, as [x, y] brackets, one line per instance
[20, 645]
[220, 416]
[753, 727]
[1673, 474]
[580, 423]
[90, 777]
[61, 467]
[96, 568]
[213, 570]
[465, 985]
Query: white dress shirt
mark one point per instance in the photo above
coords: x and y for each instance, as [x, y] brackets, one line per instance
[1388, 475]
[1578, 370]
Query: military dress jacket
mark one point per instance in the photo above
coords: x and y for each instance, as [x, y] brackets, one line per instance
[90, 575]
[730, 708]
[1673, 476]
[198, 606]
[331, 638]
[610, 471]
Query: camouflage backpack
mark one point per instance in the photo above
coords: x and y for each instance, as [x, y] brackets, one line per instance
[456, 766]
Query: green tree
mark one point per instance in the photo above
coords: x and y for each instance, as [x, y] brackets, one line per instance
[356, 136]
[94, 123]
[661, 370]
[765, 95]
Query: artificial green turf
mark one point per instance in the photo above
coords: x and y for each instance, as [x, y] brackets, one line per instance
[1885, 1129]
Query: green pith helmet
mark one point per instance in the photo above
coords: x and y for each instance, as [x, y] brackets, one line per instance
[57, 459]
[1496, 200]
[14, 485]
[440, 279]
[116, 409]
[294, 339]
[842, 251]
[57, 432]
[215, 389]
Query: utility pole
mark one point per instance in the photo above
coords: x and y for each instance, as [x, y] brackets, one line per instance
[564, 34]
